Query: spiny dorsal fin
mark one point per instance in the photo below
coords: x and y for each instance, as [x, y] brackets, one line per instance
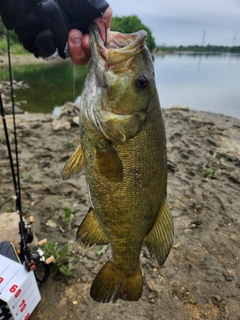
[159, 239]
[74, 165]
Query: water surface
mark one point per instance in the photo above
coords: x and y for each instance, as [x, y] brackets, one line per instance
[202, 82]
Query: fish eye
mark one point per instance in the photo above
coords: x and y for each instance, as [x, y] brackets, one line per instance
[142, 82]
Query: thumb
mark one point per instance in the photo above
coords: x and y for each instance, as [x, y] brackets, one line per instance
[78, 54]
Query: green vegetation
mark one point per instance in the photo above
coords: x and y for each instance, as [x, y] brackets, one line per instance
[26, 176]
[214, 165]
[198, 49]
[102, 250]
[61, 256]
[208, 170]
[68, 215]
[129, 24]
[16, 46]
[193, 301]
[69, 144]
[176, 245]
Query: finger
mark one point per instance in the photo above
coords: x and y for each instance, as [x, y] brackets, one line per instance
[86, 44]
[78, 55]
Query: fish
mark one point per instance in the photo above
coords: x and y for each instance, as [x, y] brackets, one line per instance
[123, 154]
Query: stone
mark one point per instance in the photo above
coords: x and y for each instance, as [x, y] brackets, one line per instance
[58, 125]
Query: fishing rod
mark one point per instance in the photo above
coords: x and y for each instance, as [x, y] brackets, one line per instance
[29, 260]
[16, 264]
[25, 231]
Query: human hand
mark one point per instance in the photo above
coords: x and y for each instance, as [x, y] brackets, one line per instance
[43, 26]
[78, 43]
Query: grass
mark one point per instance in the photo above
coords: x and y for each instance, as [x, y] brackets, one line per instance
[62, 257]
[67, 217]
[69, 144]
[214, 165]
[208, 170]
[26, 176]
[16, 47]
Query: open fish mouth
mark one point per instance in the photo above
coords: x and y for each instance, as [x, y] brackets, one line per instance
[120, 48]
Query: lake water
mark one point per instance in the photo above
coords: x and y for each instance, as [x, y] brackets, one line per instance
[202, 82]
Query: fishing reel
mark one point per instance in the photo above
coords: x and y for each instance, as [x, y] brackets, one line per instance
[32, 260]
[38, 258]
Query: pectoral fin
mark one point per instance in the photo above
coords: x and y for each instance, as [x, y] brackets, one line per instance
[159, 239]
[120, 128]
[74, 165]
[90, 232]
[109, 165]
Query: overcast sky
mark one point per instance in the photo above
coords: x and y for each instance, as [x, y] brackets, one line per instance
[176, 22]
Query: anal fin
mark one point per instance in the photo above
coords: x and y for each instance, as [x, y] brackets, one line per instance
[159, 239]
[90, 232]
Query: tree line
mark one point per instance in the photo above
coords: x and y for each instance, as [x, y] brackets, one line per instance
[195, 48]
[130, 24]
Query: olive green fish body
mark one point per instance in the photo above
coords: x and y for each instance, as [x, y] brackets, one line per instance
[127, 209]
[123, 152]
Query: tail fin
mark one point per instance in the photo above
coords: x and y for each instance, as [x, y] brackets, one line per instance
[113, 284]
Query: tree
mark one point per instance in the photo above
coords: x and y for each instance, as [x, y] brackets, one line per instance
[1, 27]
[129, 24]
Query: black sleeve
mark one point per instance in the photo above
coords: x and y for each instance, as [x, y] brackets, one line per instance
[43, 26]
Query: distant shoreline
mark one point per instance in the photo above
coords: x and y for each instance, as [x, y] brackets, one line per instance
[209, 49]
[179, 52]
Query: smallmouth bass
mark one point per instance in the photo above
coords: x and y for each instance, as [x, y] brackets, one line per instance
[123, 154]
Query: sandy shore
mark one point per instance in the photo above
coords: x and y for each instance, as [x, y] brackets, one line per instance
[200, 279]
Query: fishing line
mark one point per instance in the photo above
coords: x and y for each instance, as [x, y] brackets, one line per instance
[74, 82]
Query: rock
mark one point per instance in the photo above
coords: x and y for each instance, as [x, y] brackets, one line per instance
[8, 109]
[58, 125]
[69, 109]
[76, 120]
[5, 90]
[180, 108]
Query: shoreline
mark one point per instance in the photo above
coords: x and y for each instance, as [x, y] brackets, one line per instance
[200, 277]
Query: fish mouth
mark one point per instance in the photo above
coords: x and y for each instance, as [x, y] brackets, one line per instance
[119, 51]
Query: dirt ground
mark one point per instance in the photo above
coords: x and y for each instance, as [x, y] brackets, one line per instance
[200, 279]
